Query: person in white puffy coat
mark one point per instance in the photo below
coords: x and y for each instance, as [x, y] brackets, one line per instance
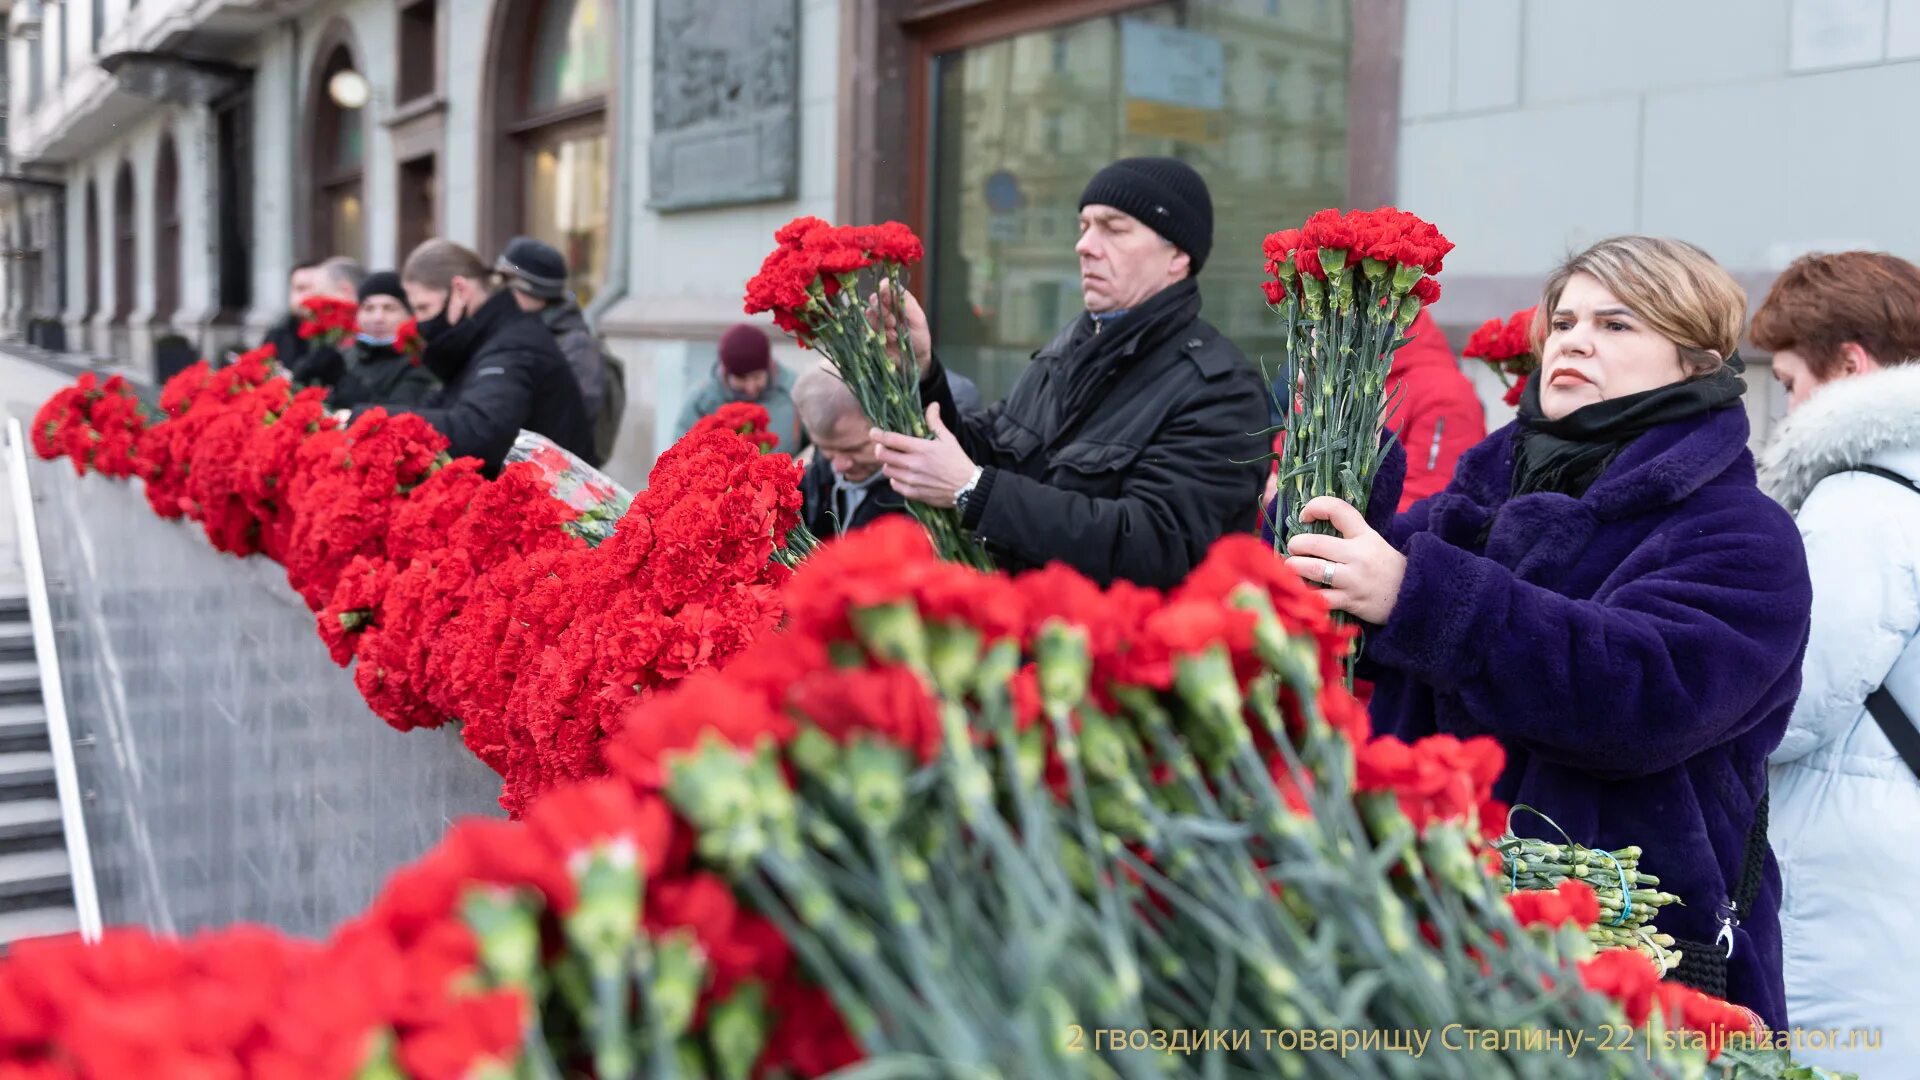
[1845, 330]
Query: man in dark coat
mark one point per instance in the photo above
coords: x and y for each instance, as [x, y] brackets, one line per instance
[1133, 441]
[537, 273]
[499, 367]
[378, 369]
[307, 362]
[842, 489]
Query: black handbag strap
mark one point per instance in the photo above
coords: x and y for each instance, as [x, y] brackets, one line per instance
[1897, 726]
[1886, 474]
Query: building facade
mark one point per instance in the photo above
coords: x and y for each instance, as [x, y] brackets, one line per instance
[170, 160]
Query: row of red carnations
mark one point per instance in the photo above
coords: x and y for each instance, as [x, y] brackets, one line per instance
[462, 598]
[606, 926]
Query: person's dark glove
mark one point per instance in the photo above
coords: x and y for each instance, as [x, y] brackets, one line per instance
[323, 365]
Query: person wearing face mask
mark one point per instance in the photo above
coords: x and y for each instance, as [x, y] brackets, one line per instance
[499, 368]
[1844, 331]
[1132, 442]
[376, 369]
[842, 488]
[1605, 590]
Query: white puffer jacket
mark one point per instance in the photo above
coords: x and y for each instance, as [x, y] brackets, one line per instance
[1845, 808]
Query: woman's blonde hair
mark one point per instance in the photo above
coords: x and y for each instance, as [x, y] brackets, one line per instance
[1675, 288]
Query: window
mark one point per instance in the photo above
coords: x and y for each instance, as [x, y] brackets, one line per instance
[1059, 53]
[97, 27]
[570, 55]
[233, 179]
[553, 151]
[125, 234]
[59, 14]
[419, 193]
[419, 57]
[339, 157]
[95, 253]
[166, 220]
[36, 74]
[1183, 93]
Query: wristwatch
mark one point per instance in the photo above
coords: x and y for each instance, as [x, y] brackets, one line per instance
[966, 489]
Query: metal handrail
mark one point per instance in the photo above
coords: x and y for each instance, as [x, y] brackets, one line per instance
[86, 898]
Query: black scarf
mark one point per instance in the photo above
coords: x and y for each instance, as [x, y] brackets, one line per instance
[1567, 455]
[451, 346]
[1097, 351]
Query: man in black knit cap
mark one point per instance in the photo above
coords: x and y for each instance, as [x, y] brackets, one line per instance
[1131, 443]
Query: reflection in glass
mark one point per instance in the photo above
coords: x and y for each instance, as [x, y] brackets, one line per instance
[1023, 123]
[348, 145]
[570, 53]
[343, 221]
[566, 192]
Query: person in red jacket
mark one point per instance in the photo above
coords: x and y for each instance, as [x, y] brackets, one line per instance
[1437, 416]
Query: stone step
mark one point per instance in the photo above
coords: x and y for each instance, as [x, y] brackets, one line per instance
[36, 922]
[13, 605]
[33, 873]
[16, 642]
[24, 772]
[23, 727]
[19, 681]
[29, 819]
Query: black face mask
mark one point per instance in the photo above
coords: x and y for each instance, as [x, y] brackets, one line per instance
[449, 345]
[435, 328]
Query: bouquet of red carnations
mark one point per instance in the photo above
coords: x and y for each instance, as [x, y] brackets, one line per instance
[827, 285]
[408, 340]
[1346, 287]
[743, 418]
[96, 424]
[328, 319]
[1507, 348]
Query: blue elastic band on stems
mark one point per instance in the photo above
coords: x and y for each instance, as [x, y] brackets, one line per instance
[1626, 896]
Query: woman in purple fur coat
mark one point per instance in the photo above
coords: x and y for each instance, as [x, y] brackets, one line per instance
[1604, 589]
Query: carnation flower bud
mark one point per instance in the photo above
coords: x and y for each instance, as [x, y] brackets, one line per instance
[712, 788]
[673, 991]
[1063, 663]
[1207, 685]
[876, 778]
[504, 924]
[953, 654]
[602, 924]
[737, 1030]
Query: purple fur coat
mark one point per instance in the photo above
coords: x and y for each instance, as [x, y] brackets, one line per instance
[1636, 651]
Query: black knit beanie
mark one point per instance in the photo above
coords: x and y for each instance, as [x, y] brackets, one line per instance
[384, 283]
[1165, 194]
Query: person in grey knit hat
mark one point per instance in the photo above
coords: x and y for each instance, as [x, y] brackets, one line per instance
[1132, 442]
[537, 274]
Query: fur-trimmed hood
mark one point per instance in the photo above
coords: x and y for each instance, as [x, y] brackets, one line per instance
[1844, 424]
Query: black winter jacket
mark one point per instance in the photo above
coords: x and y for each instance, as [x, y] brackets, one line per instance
[1123, 453]
[568, 324]
[816, 501]
[501, 372]
[381, 375]
[307, 363]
